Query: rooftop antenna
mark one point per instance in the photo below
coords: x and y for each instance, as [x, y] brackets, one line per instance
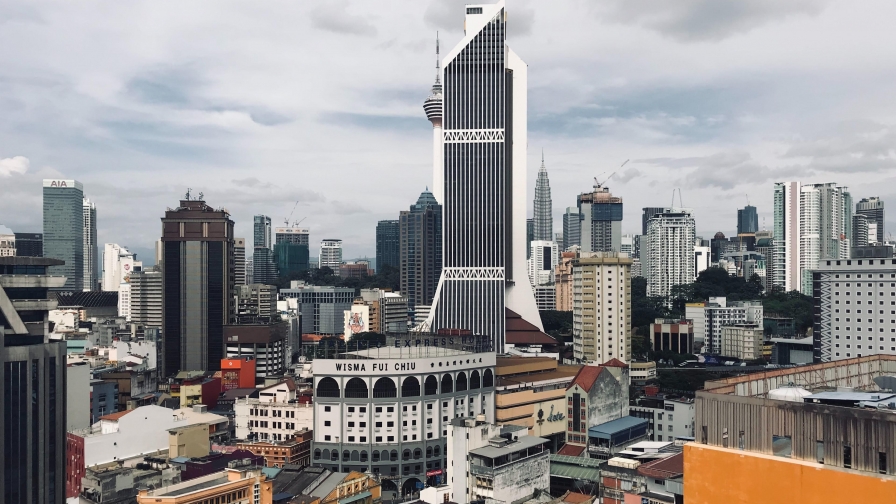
[438, 61]
[188, 194]
[200, 195]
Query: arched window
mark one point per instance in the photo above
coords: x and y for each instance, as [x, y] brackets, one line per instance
[356, 388]
[431, 386]
[474, 380]
[393, 455]
[437, 451]
[385, 456]
[334, 456]
[406, 455]
[317, 454]
[488, 380]
[417, 453]
[460, 383]
[447, 384]
[429, 452]
[325, 455]
[384, 387]
[410, 387]
[375, 456]
[356, 456]
[327, 387]
[346, 455]
[363, 456]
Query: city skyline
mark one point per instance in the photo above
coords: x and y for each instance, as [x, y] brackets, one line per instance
[612, 106]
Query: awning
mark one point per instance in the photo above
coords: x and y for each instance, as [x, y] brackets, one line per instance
[575, 472]
[355, 498]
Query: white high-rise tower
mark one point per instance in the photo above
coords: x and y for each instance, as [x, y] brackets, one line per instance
[484, 176]
[433, 108]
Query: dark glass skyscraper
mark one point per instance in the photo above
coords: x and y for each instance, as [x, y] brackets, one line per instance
[873, 210]
[33, 382]
[64, 230]
[198, 286]
[29, 244]
[388, 245]
[420, 236]
[264, 267]
[747, 220]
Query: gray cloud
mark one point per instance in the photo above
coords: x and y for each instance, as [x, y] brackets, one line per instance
[705, 20]
[333, 16]
[724, 170]
[14, 165]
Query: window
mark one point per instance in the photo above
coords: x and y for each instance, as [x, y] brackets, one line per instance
[379, 439]
[350, 424]
[327, 437]
[882, 462]
[819, 452]
[391, 439]
[390, 409]
[326, 408]
[351, 439]
[847, 457]
[379, 409]
[390, 424]
[362, 424]
[362, 409]
[326, 423]
[351, 409]
[363, 439]
[378, 424]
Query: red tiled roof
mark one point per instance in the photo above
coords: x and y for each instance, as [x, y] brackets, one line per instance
[664, 468]
[522, 332]
[115, 416]
[576, 498]
[614, 362]
[571, 450]
[586, 377]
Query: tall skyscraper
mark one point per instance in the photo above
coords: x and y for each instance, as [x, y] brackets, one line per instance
[647, 214]
[860, 233]
[291, 252]
[198, 286]
[433, 108]
[388, 248]
[265, 270]
[670, 251]
[545, 257]
[91, 248]
[601, 224]
[64, 230]
[330, 254]
[29, 244]
[420, 253]
[33, 381]
[118, 264]
[239, 261]
[544, 219]
[572, 227]
[747, 220]
[873, 210]
[146, 297]
[812, 223]
[601, 330]
[484, 172]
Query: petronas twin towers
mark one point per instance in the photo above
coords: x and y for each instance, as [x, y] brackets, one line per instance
[482, 181]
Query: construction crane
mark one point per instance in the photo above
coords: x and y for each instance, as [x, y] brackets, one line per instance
[598, 185]
[286, 220]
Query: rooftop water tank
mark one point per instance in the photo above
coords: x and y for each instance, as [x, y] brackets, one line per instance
[789, 393]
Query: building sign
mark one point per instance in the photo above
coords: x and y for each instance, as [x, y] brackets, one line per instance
[434, 472]
[552, 416]
[364, 366]
[357, 320]
[62, 184]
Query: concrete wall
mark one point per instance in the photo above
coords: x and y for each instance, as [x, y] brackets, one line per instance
[714, 475]
[607, 400]
[77, 397]
[517, 482]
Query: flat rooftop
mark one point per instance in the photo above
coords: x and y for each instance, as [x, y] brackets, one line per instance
[561, 373]
[391, 352]
[522, 443]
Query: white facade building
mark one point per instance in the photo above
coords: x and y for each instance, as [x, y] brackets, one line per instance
[702, 257]
[718, 313]
[668, 418]
[124, 301]
[387, 410]
[542, 262]
[743, 342]
[670, 251]
[7, 242]
[274, 416]
[118, 264]
[330, 254]
[601, 311]
[91, 277]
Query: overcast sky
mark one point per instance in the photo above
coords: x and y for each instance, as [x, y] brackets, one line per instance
[261, 104]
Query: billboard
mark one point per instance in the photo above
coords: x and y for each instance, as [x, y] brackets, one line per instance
[357, 320]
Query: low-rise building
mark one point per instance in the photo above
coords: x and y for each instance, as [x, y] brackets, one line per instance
[608, 439]
[742, 341]
[668, 418]
[642, 372]
[669, 335]
[275, 415]
[597, 394]
[486, 461]
[295, 451]
[112, 483]
[238, 483]
[237, 373]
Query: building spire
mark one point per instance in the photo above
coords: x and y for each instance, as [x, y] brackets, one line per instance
[438, 61]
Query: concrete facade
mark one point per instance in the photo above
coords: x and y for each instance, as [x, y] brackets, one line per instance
[597, 395]
[274, 416]
[601, 314]
[743, 342]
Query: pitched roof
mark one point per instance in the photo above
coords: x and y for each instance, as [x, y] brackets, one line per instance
[115, 416]
[522, 332]
[576, 498]
[664, 468]
[571, 450]
[614, 362]
[586, 377]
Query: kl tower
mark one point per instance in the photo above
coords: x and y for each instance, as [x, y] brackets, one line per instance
[433, 108]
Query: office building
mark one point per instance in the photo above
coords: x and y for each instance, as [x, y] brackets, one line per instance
[7, 242]
[280, 400]
[601, 307]
[601, 222]
[770, 440]
[63, 214]
[485, 131]
[670, 251]
[124, 301]
[263, 342]
[873, 210]
[322, 307]
[420, 251]
[742, 341]
[542, 262]
[648, 213]
[146, 297]
[668, 417]
[91, 248]
[389, 412]
[572, 227]
[388, 244]
[563, 282]
[388, 310]
[118, 264]
[264, 269]
[355, 269]
[766, 247]
[256, 303]
[668, 335]
[34, 384]
[291, 252]
[543, 210]
[239, 261]
[330, 254]
[530, 236]
[197, 286]
[710, 317]
[292, 234]
[860, 234]
[812, 223]
[433, 108]
[29, 244]
[747, 220]
[855, 308]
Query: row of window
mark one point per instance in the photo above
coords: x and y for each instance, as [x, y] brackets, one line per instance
[356, 388]
[376, 456]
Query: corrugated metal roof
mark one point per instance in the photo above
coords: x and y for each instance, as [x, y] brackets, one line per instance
[613, 426]
[523, 443]
[575, 472]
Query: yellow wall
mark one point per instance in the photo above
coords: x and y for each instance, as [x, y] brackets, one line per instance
[714, 475]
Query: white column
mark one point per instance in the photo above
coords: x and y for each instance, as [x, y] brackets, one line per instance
[438, 177]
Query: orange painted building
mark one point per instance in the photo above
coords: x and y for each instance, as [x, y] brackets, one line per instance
[715, 475]
[238, 372]
[236, 484]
